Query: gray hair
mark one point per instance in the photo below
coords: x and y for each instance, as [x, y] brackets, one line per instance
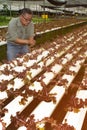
[25, 10]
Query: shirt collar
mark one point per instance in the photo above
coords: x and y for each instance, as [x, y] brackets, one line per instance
[18, 22]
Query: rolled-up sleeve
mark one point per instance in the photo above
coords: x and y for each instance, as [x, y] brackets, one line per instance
[12, 31]
[30, 30]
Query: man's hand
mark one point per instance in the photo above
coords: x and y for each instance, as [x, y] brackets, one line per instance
[31, 42]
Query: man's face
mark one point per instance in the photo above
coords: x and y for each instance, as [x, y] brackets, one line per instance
[26, 19]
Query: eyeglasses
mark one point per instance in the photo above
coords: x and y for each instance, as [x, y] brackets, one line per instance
[27, 20]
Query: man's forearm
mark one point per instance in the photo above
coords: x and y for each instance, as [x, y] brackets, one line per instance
[22, 41]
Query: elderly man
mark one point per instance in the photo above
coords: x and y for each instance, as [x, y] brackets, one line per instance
[20, 34]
